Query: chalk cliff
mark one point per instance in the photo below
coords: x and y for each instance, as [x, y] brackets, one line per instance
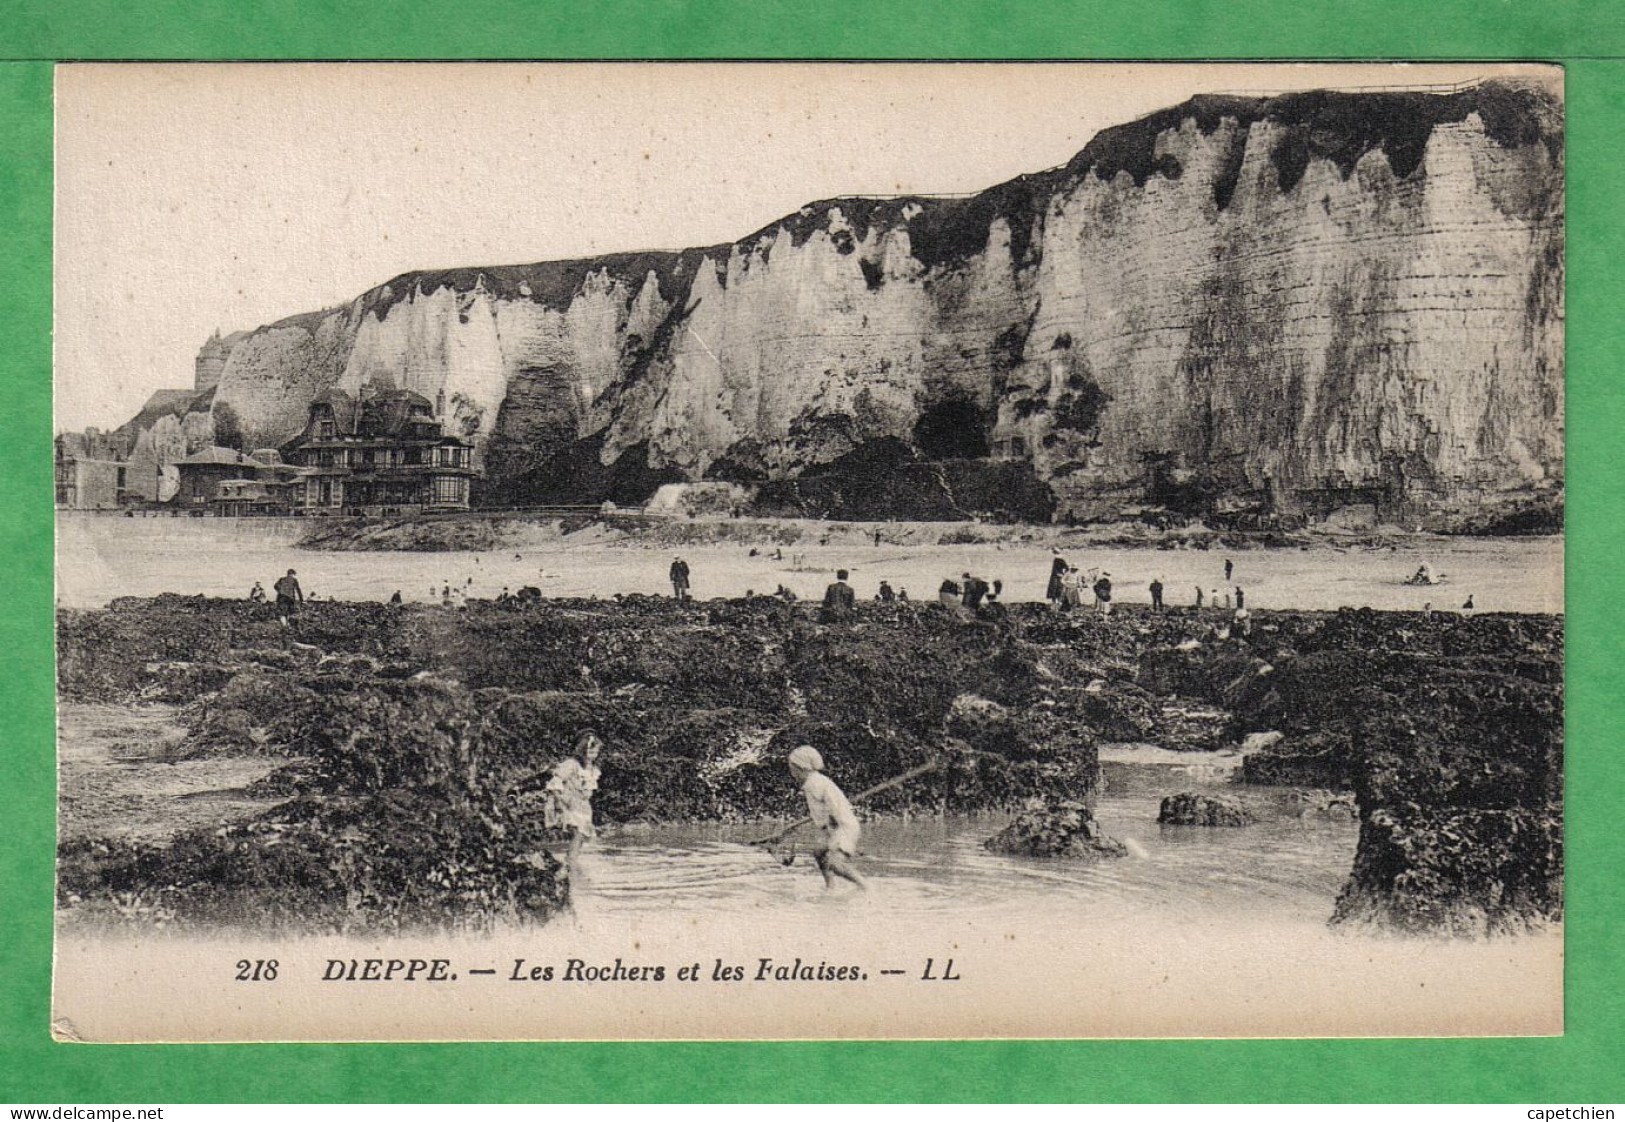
[1242, 307]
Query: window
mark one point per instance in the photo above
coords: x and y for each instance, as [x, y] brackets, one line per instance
[449, 490]
[121, 483]
[324, 429]
[325, 459]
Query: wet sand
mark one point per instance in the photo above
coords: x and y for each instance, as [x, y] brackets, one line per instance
[100, 558]
[118, 777]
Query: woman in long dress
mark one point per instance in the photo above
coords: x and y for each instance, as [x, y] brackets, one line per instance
[570, 791]
[1057, 575]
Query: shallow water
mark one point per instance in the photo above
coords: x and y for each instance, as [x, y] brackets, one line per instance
[1285, 868]
[1203, 933]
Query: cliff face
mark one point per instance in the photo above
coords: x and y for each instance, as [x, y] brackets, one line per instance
[1236, 306]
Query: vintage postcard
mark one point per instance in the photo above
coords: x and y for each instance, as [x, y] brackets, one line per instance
[740, 551]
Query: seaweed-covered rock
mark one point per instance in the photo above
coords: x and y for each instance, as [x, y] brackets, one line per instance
[256, 711]
[403, 819]
[1117, 710]
[1459, 775]
[384, 863]
[1449, 729]
[1455, 872]
[1187, 726]
[1323, 759]
[1190, 809]
[1061, 829]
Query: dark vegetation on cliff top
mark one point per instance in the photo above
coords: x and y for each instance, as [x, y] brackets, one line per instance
[554, 284]
[416, 739]
[945, 232]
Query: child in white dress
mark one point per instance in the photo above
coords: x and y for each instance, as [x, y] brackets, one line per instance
[570, 791]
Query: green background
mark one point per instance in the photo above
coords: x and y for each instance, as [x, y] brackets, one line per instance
[1584, 1066]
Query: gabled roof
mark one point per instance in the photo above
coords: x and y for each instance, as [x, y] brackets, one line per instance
[407, 397]
[342, 404]
[333, 396]
[388, 412]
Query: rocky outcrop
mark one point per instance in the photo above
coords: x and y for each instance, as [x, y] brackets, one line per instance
[1449, 728]
[1241, 307]
[1190, 809]
[1458, 773]
[1062, 829]
[1321, 760]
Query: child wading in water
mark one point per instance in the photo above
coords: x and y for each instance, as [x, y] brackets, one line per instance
[830, 811]
[570, 791]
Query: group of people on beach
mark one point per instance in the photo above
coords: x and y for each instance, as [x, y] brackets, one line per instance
[1065, 590]
[1066, 587]
[288, 595]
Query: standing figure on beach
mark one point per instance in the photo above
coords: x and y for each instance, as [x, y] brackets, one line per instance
[885, 595]
[288, 595]
[1228, 569]
[570, 790]
[1071, 588]
[832, 814]
[1103, 594]
[975, 589]
[839, 599]
[1057, 578]
[679, 579]
[1198, 597]
[1156, 594]
[1241, 598]
[257, 593]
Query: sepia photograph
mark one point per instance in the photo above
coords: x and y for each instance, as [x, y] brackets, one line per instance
[560, 551]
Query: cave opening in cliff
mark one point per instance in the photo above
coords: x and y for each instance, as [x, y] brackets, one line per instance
[953, 429]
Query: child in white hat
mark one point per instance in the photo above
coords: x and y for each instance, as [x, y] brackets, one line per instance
[830, 811]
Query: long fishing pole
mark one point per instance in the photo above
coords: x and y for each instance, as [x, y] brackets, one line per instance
[894, 781]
